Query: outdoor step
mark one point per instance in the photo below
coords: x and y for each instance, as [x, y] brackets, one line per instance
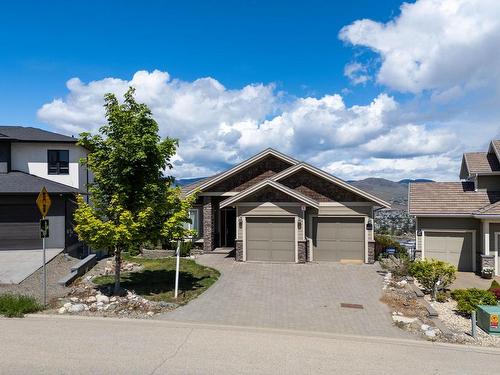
[68, 279]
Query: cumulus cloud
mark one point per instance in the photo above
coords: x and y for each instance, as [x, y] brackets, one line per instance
[446, 46]
[218, 127]
[357, 73]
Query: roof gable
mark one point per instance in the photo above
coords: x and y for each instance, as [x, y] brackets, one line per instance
[30, 134]
[330, 179]
[263, 186]
[213, 181]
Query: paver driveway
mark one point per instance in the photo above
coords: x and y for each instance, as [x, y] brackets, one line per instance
[292, 296]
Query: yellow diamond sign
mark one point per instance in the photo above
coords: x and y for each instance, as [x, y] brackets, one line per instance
[43, 201]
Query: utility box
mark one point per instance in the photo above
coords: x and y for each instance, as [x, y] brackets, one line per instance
[487, 319]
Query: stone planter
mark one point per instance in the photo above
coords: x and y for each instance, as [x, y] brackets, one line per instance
[487, 273]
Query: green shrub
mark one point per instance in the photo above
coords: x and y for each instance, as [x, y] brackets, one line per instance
[469, 299]
[494, 285]
[442, 296]
[186, 247]
[434, 275]
[14, 305]
[383, 242]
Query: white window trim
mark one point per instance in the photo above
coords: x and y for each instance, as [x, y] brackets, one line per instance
[473, 231]
[497, 249]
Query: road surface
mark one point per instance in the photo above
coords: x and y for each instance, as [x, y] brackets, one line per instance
[76, 345]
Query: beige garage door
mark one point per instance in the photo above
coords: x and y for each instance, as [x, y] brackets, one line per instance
[452, 247]
[270, 239]
[336, 239]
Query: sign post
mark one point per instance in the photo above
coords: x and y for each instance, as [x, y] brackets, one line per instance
[177, 269]
[43, 202]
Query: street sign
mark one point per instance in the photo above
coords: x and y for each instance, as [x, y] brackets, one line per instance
[43, 202]
[44, 228]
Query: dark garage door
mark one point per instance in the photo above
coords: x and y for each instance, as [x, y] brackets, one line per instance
[270, 239]
[336, 239]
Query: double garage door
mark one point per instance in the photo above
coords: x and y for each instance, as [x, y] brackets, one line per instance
[452, 247]
[334, 239]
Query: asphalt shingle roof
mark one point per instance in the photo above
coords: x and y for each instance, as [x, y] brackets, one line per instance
[16, 182]
[448, 198]
[29, 134]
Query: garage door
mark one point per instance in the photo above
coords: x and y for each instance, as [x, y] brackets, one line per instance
[336, 239]
[270, 239]
[20, 236]
[454, 248]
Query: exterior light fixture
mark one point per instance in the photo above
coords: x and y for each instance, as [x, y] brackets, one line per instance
[369, 226]
[419, 232]
[299, 224]
[240, 222]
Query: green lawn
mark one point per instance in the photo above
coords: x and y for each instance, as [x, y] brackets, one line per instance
[16, 305]
[156, 281]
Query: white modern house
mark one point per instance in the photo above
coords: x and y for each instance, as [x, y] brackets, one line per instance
[31, 158]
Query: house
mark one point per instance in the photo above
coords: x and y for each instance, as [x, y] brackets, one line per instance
[31, 158]
[459, 222]
[272, 207]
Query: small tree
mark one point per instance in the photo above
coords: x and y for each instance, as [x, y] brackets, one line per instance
[434, 275]
[132, 201]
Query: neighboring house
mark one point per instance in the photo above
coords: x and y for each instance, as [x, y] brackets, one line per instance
[31, 158]
[272, 207]
[459, 222]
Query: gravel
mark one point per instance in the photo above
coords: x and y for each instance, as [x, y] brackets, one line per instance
[32, 286]
[461, 326]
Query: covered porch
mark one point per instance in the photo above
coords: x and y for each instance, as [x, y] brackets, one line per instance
[490, 238]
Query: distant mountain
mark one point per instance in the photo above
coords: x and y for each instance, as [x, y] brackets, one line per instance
[393, 192]
[408, 180]
[187, 181]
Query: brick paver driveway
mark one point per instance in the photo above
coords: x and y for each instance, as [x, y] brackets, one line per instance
[292, 296]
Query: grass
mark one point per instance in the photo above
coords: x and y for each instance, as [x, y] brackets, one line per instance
[16, 305]
[156, 281]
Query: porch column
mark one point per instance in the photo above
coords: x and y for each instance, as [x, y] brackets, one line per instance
[208, 224]
[486, 237]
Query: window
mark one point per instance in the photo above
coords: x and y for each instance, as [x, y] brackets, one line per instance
[195, 221]
[58, 161]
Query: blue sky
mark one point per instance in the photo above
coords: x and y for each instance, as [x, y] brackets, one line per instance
[344, 85]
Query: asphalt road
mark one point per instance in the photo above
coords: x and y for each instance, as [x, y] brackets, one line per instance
[64, 345]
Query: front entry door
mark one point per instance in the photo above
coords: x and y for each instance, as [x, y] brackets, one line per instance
[228, 227]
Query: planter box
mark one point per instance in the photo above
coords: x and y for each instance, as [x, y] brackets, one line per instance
[487, 319]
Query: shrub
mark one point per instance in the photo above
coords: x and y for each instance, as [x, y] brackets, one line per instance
[469, 299]
[186, 247]
[399, 267]
[434, 275]
[496, 292]
[15, 306]
[494, 285]
[383, 242]
[442, 296]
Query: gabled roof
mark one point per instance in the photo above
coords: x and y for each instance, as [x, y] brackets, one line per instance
[479, 163]
[495, 148]
[276, 185]
[210, 181]
[318, 172]
[491, 209]
[30, 134]
[17, 182]
[448, 198]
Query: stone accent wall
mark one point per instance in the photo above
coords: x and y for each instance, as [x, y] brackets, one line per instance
[251, 175]
[418, 254]
[302, 251]
[487, 261]
[208, 224]
[238, 246]
[269, 194]
[371, 251]
[319, 189]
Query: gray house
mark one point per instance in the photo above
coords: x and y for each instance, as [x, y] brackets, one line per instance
[31, 158]
[272, 207]
[459, 222]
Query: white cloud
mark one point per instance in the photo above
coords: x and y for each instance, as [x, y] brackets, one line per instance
[446, 46]
[218, 127]
[357, 73]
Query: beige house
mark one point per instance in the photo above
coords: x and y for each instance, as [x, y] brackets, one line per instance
[459, 222]
[272, 207]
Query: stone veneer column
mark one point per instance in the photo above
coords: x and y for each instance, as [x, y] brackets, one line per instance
[371, 251]
[208, 224]
[238, 247]
[302, 251]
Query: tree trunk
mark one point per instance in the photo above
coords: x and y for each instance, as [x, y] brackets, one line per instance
[118, 263]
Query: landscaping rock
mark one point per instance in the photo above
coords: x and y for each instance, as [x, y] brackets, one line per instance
[74, 299]
[102, 298]
[403, 319]
[62, 310]
[91, 299]
[79, 307]
[67, 305]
